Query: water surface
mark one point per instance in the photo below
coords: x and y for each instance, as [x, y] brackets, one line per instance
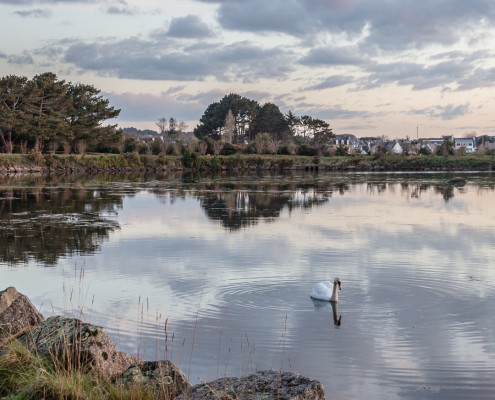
[215, 272]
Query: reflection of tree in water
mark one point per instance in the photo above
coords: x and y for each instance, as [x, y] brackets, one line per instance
[240, 206]
[415, 190]
[43, 222]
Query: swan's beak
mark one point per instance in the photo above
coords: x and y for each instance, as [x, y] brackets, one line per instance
[340, 286]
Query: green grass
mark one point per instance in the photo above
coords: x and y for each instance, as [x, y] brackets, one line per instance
[109, 162]
[24, 375]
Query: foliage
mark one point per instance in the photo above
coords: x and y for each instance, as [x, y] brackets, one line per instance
[262, 143]
[306, 150]
[24, 375]
[227, 149]
[190, 159]
[341, 150]
[424, 151]
[446, 148]
[46, 113]
[270, 120]
[212, 123]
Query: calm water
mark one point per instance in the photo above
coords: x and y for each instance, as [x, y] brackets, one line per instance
[215, 272]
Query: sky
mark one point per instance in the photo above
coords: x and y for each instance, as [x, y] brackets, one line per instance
[398, 68]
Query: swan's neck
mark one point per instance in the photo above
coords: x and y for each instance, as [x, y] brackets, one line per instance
[335, 293]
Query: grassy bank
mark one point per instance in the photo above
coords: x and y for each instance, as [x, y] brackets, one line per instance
[36, 162]
[24, 375]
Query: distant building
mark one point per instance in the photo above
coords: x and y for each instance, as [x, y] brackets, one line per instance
[469, 144]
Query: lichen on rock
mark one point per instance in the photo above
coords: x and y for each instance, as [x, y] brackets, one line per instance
[73, 342]
[260, 385]
[164, 378]
[17, 314]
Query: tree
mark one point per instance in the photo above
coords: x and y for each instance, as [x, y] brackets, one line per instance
[48, 109]
[446, 148]
[270, 120]
[244, 111]
[162, 125]
[342, 150]
[292, 122]
[14, 94]
[172, 126]
[181, 127]
[229, 126]
[85, 113]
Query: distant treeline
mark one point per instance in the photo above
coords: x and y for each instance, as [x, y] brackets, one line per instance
[47, 114]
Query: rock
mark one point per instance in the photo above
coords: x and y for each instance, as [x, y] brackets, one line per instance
[79, 344]
[261, 385]
[163, 377]
[17, 314]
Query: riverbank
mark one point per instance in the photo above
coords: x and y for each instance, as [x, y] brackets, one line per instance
[66, 358]
[58, 163]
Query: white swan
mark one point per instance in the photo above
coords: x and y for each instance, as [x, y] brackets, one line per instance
[326, 291]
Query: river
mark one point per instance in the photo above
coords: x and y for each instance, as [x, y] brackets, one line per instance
[214, 272]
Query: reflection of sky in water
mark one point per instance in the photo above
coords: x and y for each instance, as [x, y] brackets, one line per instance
[416, 306]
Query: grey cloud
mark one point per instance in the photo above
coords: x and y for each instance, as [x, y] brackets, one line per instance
[390, 25]
[257, 95]
[20, 59]
[263, 16]
[3, 55]
[333, 56]
[328, 113]
[146, 59]
[174, 89]
[189, 27]
[149, 107]
[331, 82]
[447, 113]
[417, 75]
[451, 111]
[121, 10]
[36, 13]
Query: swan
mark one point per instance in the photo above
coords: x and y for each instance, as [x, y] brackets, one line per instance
[326, 291]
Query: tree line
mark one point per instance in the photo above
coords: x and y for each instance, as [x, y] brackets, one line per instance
[238, 120]
[48, 114]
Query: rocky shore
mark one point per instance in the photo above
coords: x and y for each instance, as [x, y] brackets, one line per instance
[75, 344]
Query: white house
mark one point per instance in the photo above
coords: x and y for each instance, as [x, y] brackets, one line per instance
[469, 144]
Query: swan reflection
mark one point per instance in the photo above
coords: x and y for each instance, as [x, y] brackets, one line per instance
[322, 305]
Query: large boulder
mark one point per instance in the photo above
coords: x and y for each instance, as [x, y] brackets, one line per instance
[83, 345]
[261, 385]
[164, 378]
[17, 314]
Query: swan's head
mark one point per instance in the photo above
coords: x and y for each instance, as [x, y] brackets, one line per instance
[338, 282]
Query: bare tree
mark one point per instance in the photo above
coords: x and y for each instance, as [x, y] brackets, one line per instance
[217, 146]
[181, 127]
[202, 147]
[162, 125]
[229, 127]
[81, 146]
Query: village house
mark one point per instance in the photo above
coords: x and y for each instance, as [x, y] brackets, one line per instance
[469, 144]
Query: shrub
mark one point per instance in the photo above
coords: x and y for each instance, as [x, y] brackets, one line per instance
[133, 159]
[190, 159]
[227, 149]
[305, 150]
[283, 150]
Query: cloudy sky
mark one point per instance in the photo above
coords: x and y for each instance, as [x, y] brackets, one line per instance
[382, 67]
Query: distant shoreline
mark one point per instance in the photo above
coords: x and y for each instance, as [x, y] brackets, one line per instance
[37, 163]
